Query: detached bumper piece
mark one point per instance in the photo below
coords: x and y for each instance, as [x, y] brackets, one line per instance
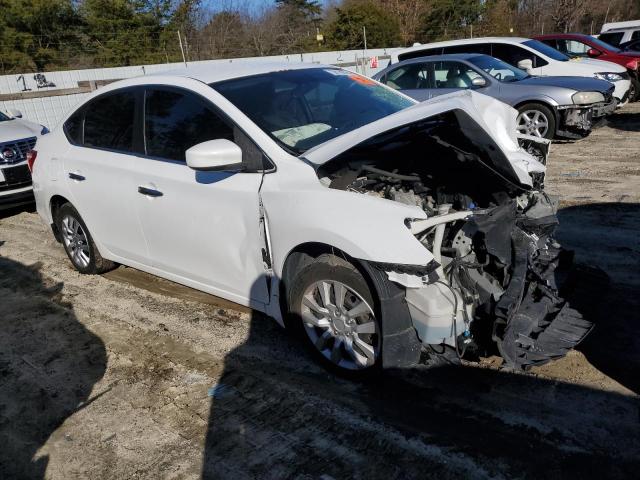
[534, 325]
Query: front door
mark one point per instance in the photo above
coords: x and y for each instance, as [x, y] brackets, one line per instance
[202, 228]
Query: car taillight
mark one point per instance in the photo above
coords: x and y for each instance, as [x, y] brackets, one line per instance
[632, 64]
[31, 159]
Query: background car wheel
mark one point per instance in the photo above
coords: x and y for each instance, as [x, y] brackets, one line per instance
[537, 120]
[78, 243]
[333, 311]
[634, 90]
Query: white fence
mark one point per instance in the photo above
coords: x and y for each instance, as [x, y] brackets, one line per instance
[51, 102]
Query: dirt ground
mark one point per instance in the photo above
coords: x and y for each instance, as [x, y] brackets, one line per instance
[129, 376]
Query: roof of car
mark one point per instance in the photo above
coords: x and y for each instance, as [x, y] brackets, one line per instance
[562, 35]
[448, 56]
[464, 41]
[217, 72]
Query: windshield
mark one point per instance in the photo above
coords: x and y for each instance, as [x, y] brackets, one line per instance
[604, 45]
[546, 50]
[304, 108]
[499, 70]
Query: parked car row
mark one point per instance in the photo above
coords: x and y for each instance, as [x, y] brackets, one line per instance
[383, 229]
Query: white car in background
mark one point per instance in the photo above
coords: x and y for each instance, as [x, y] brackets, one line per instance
[376, 227]
[615, 33]
[17, 138]
[529, 55]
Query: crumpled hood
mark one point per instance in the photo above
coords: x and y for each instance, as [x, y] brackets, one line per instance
[496, 117]
[17, 129]
[581, 84]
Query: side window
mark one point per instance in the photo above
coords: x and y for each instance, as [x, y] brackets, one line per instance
[573, 48]
[483, 48]
[512, 54]
[408, 77]
[613, 38]
[420, 53]
[453, 75]
[73, 127]
[635, 35]
[108, 122]
[176, 121]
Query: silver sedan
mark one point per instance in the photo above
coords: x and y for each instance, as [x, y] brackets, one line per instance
[548, 106]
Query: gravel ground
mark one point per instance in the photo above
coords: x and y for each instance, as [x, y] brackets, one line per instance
[129, 376]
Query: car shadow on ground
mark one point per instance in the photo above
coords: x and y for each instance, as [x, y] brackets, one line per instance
[626, 121]
[607, 236]
[10, 212]
[275, 414]
[49, 363]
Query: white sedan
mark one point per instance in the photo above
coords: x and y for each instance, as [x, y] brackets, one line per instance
[383, 231]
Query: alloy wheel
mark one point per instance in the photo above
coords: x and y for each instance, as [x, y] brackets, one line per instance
[340, 324]
[76, 242]
[533, 122]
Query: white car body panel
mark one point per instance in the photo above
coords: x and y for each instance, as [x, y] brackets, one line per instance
[582, 67]
[221, 210]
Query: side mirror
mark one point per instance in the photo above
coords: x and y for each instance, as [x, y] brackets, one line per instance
[525, 64]
[14, 113]
[218, 154]
[592, 52]
[479, 82]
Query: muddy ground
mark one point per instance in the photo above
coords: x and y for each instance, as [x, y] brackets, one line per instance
[111, 376]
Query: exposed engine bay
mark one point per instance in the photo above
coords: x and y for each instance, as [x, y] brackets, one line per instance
[493, 283]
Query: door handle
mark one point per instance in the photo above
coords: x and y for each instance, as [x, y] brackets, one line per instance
[76, 176]
[150, 192]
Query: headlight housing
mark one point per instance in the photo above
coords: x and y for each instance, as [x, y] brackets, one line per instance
[585, 98]
[609, 76]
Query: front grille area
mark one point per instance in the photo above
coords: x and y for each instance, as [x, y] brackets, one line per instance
[18, 149]
[15, 177]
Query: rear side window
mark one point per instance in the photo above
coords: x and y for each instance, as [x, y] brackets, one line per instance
[483, 48]
[613, 38]
[176, 121]
[420, 53]
[635, 35]
[109, 122]
[408, 77]
[73, 127]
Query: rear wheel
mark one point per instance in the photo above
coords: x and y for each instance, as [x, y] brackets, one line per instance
[78, 242]
[333, 311]
[537, 120]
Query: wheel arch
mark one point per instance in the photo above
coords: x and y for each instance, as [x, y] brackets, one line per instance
[55, 202]
[400, 344]
[545, 103]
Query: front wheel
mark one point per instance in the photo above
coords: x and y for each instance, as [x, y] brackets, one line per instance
[333, 310]
[537, 120]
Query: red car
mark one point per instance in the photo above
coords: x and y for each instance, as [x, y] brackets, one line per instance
[579, 45]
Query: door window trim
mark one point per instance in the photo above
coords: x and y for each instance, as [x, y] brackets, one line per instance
[270, 165]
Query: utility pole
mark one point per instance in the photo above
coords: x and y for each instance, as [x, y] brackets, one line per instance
[364, 66]
[184, 59]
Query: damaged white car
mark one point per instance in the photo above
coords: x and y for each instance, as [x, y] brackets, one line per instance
[383, 230]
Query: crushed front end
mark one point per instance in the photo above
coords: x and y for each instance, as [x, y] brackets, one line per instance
[493, 284]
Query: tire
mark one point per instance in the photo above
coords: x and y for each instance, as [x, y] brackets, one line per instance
[634, 90]
[345, 337]
[529, 114]
[78, 243]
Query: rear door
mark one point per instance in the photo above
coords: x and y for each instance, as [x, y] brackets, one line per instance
[96, 169]
[202, 228]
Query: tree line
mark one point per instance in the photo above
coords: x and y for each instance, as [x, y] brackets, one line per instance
[41, 35]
